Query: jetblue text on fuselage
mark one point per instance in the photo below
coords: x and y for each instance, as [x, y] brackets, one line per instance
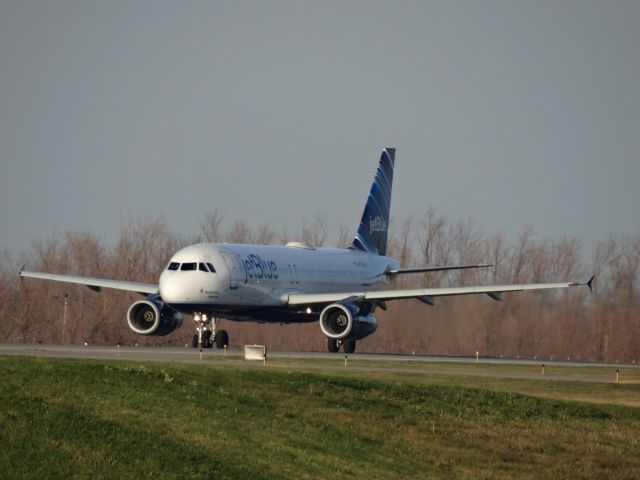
[257, 268]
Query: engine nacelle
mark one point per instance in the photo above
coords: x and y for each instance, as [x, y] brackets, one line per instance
[151, 317]
[343, 321]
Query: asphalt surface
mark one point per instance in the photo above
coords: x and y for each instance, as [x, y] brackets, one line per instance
[191, 355]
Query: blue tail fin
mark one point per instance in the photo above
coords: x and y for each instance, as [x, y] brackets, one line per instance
[372, 232]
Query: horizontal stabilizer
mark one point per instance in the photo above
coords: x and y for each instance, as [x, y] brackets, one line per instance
[400, 271]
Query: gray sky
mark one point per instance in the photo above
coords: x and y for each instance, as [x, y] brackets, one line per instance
[506, 112]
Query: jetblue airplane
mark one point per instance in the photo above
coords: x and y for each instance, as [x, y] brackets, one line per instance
[295, 283]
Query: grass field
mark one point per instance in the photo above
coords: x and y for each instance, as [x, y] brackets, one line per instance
[227, 419]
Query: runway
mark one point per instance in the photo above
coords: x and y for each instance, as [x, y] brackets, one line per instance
[366, 362]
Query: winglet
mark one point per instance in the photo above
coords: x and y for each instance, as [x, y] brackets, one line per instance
[22, 269]
[588, 284]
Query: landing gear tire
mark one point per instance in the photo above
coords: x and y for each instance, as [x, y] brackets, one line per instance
[349, 346]
[332, 345]
[194, 341]
[222, 339]
[206, 339]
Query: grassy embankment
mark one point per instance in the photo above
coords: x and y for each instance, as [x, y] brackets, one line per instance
[114, 419]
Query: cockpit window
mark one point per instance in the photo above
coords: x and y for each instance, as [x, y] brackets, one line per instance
[191, 266]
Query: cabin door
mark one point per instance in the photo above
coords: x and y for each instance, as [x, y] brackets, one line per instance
[234, 268]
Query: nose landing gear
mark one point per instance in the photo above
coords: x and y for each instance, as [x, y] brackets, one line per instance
[206, 334]
[349, 346]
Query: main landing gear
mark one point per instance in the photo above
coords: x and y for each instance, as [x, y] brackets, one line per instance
[207, 335]
[333, 345]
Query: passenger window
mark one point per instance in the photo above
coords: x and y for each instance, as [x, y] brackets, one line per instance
[189, 266]
[211, 269]
[173, 266]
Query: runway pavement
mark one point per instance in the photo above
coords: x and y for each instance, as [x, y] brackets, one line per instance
[191, 355]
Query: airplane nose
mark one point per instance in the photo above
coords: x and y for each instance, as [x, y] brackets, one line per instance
[171, 288]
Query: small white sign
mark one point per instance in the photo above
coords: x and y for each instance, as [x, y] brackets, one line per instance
[255, 352]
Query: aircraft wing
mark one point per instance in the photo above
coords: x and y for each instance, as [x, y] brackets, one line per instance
[424, 294]
[94, 283]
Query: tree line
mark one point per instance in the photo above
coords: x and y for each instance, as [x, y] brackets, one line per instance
[558, 324]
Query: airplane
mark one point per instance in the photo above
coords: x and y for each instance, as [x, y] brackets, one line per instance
[340, 288]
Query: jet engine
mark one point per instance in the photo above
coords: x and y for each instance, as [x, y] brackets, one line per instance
[152, 317]
[344, 321]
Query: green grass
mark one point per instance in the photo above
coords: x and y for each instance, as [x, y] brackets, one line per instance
[226, 419]
[586, 383]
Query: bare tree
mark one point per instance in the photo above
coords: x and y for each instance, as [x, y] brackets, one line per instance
[568, 323]
[283, 236]
[432, 226]
[8, 298]
[467, 242]
[405, 243]
[143, 248]
[400, 247]
[210, 226]
[86, 254]
[497, 253]
[434, 247]
[345, 236]
[265, 236]
[315, 233]
[520, 260]
[240, 233]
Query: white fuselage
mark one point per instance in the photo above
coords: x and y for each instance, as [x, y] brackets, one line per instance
[252, 282]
